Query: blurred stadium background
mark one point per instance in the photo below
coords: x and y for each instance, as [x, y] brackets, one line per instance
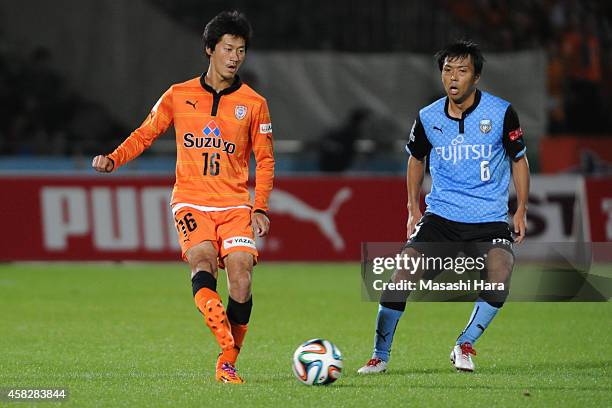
[344, 81]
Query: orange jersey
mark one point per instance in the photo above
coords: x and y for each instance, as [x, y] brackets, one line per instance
[215, 134]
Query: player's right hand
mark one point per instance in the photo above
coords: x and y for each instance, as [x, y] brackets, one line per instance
[102, 164]
[413, 218]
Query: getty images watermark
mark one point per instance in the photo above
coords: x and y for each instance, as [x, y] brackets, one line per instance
[463, 271]
[423, 266]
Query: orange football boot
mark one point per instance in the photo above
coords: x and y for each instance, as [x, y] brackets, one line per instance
[226, 373]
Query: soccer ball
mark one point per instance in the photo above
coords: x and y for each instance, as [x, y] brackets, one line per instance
[317, 362]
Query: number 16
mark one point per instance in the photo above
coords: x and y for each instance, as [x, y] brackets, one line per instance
[213, 165]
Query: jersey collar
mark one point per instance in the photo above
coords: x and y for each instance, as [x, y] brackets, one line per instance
[232, 88]
[467, 111]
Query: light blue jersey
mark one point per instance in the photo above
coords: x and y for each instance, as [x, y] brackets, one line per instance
[469, 158]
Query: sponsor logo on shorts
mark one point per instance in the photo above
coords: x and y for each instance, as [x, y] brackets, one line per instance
[265, 128]
[238, 242]
[502, 241]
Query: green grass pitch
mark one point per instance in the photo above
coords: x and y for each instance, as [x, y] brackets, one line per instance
[129, 335]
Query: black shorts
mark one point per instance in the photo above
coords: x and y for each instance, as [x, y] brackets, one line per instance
[437, 236]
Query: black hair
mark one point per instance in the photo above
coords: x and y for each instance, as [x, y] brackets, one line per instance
[461, 49]
[227, 22]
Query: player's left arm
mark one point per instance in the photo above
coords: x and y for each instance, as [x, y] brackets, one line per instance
[520, 175]
[263, 149]
[516, 150]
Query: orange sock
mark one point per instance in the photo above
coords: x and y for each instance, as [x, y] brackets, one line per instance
[210, 305]
[229, 356]
[238, 332]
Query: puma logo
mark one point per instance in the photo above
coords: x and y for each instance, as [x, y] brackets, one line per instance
[438, 129]
[193, 104]
[285, 203]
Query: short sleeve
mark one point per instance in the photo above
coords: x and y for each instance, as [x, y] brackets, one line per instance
[418, 145]
[513, 141]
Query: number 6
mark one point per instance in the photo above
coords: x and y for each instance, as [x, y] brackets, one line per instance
[485, 171]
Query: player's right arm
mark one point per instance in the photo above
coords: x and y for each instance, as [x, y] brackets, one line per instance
[156, 123]
[414, 180]
[419, 147]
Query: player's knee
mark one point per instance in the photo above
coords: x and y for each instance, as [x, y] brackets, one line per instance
[401, 273]
[499, 265]
[498, 272]
[239, 267]
[239, 263]
[240, 285]
[201, 258]
[410, 252]
[241, 278]
[204, 264]
[240, 289]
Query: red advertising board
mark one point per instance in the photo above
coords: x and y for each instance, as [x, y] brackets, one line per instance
[322, 218]
[599, 202]
[128, 218]
[86, 218]
[575, 153]
[327, 218]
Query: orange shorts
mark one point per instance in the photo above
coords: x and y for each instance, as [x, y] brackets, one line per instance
[228, 230]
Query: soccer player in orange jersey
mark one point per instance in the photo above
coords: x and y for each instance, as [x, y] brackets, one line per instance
[218, 122]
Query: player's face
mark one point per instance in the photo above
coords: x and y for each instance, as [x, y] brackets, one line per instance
[458, 78]
[228, 55]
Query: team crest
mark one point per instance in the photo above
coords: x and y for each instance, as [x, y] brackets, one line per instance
[240, 112]
[485, 125]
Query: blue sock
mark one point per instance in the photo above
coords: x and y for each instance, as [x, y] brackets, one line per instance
[386, 323]
[482, 315]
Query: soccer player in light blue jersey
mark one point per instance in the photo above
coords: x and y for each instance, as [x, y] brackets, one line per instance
[474, 144]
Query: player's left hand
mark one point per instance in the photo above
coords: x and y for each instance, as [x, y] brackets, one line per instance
[260, 223]
[520, 225]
